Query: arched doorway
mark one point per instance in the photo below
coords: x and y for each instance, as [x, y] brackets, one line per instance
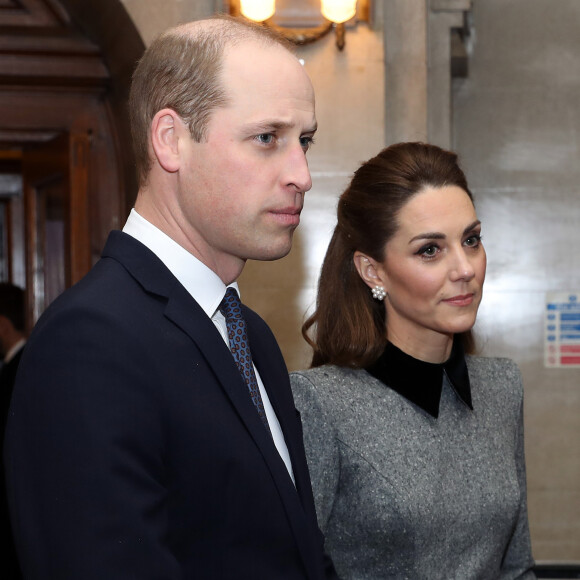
[66, 169]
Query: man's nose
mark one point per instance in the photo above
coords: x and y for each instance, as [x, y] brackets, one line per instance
[297, 172]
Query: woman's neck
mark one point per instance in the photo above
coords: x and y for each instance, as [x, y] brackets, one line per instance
[432, 347]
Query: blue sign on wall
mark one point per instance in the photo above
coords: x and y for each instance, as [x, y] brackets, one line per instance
[562, 329]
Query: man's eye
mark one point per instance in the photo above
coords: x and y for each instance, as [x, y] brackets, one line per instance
[306, 142]
[265, 138]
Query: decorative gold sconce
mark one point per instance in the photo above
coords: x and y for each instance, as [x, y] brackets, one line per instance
[333, 13]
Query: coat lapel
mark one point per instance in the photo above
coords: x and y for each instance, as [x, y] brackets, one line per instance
[194, 322]
[184, 312]
[298, 500]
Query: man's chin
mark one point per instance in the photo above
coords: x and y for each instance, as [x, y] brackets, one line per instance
[272, 257]
[272, 252]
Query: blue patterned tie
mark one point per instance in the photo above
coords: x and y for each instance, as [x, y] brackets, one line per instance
[231, 308]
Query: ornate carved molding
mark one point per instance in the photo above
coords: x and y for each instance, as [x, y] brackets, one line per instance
[38, 46]
[31, 13]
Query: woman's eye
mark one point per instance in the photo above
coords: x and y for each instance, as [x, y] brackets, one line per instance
[428, 251]
[473, 241]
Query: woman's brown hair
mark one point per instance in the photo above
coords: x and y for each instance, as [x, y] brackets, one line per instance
[349, 324]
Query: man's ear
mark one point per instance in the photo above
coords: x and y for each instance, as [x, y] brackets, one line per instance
[369, 270]
[166, 130]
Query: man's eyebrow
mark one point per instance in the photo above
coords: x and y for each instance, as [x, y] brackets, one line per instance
[440, 236]
[275, 125]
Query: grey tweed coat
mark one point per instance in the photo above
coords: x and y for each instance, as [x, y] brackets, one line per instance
[403, 495]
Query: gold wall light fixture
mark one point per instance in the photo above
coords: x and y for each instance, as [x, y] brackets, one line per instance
[292, 19]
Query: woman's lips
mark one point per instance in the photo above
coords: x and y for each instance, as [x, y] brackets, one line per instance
[462, 300]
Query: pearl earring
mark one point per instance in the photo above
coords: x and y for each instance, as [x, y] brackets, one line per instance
[378, 292]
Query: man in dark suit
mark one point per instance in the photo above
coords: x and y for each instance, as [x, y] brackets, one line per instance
[134, 448]
[12, 341]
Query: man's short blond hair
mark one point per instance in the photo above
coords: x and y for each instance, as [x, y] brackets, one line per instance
[180, 70]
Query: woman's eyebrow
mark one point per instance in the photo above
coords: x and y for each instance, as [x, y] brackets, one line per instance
[440, 236]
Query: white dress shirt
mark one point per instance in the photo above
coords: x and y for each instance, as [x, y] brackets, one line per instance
[208, 290]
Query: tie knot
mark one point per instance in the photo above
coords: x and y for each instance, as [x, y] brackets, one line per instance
[231, 305]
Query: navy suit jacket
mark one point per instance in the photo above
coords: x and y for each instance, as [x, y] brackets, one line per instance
[9, 569]
[134, 450]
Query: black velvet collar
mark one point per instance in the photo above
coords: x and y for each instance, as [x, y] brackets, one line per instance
[422, 382]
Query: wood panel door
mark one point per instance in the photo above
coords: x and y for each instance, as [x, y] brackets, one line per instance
[56, 207]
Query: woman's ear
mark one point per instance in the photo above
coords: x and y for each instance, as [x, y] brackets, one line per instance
[368, 269]
[166, 129]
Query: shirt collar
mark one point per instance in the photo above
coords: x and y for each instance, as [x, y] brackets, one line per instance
[201, 282]
[421, 382]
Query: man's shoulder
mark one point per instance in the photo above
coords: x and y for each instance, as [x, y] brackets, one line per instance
[125, 267]
[109, 291]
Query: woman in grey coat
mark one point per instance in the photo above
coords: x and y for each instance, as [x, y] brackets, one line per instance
[415, 446]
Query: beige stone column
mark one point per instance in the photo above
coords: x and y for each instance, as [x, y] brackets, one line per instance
[417, 45]
[405, 46]
[443, 16]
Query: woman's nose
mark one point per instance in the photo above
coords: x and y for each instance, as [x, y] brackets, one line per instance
[462, 268]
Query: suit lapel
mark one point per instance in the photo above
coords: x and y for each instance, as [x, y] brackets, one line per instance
[193, 321]
[298, 500]
[274, 375]
[185, 313]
